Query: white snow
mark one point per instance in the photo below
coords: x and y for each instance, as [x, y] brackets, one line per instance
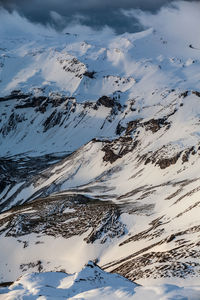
[90, 283]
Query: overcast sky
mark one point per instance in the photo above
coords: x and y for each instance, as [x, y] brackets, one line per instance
[95, 13]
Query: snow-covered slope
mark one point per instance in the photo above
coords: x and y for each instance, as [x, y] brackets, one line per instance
[99, 146]
[90, 283]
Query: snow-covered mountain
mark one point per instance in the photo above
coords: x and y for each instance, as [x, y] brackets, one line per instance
[99, 154]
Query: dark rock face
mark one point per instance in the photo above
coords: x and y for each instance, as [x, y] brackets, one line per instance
[41, 102]
[53, 120]
[155, 125]
[32, 102]
[15, 95]
[186, 154]
[124, 145]
[184, 94]
[129, 141]
[109, 156]
[196, 93]
[119, 129]
[12, 122]
[166, 162]
[90, 74]
[132, 126]
[6, 284]
[106, 101]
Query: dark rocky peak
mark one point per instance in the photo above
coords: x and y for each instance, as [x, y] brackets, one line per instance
[106, 101]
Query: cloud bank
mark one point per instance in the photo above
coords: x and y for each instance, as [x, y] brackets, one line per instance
[93, 13]
[179, 22]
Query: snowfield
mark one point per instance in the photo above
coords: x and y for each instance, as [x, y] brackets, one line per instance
[90, 283]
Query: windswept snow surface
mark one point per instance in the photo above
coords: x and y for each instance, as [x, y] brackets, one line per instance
[90, 283]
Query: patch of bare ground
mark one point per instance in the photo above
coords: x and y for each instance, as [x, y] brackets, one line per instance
[178, 262]
[181, 260]
[66, 216]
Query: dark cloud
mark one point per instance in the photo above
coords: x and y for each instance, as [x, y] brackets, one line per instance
[95, 13]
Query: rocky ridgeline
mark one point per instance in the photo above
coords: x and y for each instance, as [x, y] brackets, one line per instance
[61, 106]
